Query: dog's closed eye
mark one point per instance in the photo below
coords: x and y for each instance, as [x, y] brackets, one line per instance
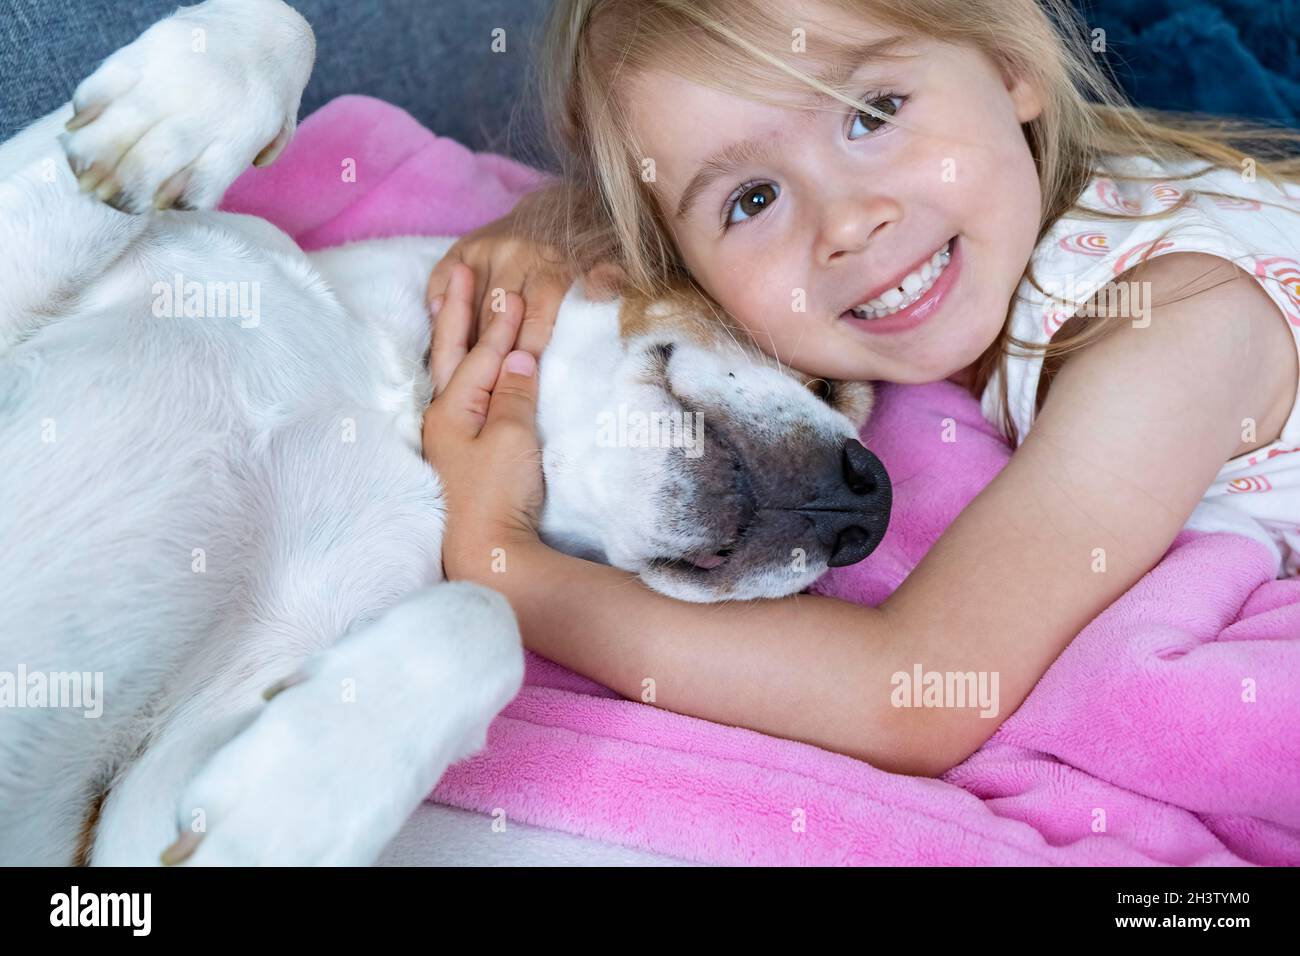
[663, 354]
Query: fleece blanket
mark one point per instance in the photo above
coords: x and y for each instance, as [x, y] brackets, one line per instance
[1168, 732]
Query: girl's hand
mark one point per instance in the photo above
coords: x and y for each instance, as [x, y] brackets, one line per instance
[480, 431]
[503, 261]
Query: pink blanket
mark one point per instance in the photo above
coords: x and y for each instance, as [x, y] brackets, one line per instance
[1167, 733]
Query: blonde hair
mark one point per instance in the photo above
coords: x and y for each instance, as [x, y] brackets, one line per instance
[604, 210]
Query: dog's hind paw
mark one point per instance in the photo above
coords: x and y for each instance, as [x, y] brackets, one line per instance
[345, 749]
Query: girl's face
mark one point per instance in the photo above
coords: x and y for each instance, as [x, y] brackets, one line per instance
[833, 210]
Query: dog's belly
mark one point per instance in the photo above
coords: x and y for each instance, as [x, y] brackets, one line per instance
[174, 454]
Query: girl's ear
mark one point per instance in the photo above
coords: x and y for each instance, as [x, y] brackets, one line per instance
[1025, 95]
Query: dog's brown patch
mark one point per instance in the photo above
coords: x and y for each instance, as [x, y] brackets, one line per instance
[89, 826]
[685, 311]
[853, 400]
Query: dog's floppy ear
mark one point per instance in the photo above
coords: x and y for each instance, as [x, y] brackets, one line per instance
[854, 400]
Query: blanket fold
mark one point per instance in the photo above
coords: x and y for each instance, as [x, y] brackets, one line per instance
[1168, 732]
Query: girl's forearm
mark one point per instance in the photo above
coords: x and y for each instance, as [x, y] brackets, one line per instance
[806, 668]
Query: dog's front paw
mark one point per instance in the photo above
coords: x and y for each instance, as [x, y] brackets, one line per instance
[174, 118]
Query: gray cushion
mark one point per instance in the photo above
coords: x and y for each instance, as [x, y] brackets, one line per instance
[431, 57]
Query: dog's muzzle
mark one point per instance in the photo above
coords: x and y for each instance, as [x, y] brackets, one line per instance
[850, 515]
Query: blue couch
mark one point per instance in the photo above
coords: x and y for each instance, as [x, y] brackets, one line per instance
[432, 57]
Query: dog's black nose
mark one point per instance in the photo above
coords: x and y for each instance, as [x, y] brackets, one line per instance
[850, 518]
[851, 546]
[860, 468]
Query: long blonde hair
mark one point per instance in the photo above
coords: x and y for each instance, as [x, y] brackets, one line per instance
[606, 210]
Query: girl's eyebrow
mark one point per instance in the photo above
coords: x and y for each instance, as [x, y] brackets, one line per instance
[724, 161]
[844, 63]
[756, 148]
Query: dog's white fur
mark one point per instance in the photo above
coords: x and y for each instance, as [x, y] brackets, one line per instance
[200, 507]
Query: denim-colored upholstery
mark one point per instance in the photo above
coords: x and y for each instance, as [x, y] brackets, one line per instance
[434, 58]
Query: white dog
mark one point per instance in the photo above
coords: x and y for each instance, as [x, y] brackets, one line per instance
[213, 481]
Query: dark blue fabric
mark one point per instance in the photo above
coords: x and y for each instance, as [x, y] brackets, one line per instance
[432, 57]
[1231, 57]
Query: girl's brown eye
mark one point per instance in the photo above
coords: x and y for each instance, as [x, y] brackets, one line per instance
[757, 199]
[747, 202]
[885, 104]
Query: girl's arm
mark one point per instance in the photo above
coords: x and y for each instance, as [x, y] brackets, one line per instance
[1133, 431]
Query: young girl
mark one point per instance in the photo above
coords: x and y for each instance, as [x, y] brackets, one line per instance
[952, 190]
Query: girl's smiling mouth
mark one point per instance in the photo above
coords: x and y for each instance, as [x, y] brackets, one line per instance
[929, 284]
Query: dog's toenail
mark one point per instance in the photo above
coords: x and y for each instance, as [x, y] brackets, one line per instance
[284, 684]
[108, 188]
[273, 149]
[89, 179]
[84, 117]
[182, 849]
[170, 191]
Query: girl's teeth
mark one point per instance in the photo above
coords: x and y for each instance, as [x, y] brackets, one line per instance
[913, 286]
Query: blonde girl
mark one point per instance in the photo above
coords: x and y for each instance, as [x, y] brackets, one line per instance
[952, 189]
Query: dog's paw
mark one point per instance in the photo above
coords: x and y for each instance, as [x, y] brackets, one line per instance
[343, 752]
[275, 795]
[172, 119]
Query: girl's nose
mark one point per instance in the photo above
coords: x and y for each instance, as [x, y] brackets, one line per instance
[853, 223]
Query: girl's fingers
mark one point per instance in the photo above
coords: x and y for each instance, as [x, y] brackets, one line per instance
[440, 277]
[514, 394]
[492, 296]
[542, 298]
[451, 328]
[483, 300]
[464, 403]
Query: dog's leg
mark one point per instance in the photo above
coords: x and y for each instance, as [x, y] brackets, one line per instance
[55, 239]
[329, 769]
[167, 121]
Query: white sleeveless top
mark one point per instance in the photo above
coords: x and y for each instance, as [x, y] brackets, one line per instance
[1256, 494]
